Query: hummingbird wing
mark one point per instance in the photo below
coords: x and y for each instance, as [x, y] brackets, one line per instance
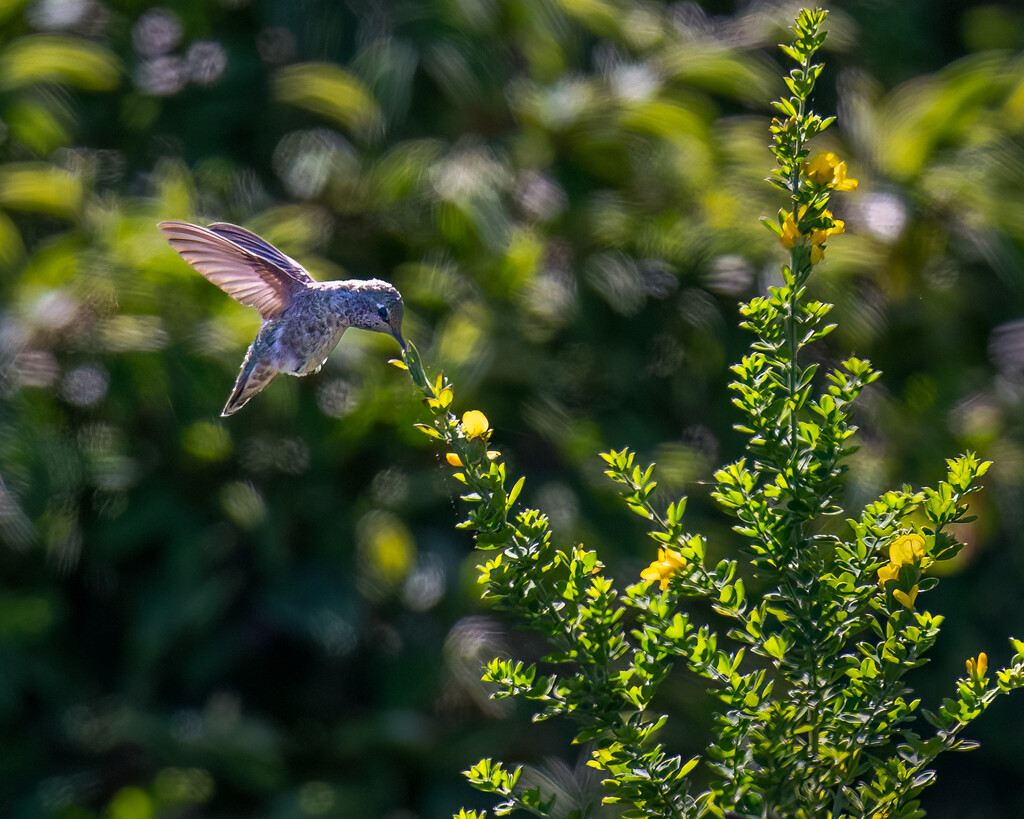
[260, 247]
[250, 270]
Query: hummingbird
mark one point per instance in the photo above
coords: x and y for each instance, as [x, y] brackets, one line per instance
[303, 319]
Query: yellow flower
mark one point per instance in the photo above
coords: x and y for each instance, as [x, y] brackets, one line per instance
[453, 459]
[820, 236]
[840, 182]
[827, 169]
[443, 400]
[662, 569]
[821, 169]
[790, 232]
[976, 668]
[907, 549]
[891, 571]
[474, 424]
[492, 454]
[791, 235]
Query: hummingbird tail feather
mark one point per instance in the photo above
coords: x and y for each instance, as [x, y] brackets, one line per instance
[251, 380]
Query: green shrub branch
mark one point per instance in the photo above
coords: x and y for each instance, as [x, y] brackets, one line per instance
[823, 723]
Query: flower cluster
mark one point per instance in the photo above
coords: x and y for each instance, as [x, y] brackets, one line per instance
[909, 551]
[821, 722]
[810, 183]
[796, 232]
[466, 439]
[474, 426]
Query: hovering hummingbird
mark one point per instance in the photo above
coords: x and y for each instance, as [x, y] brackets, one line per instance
[303, 319]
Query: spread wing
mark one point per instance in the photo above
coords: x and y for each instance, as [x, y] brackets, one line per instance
[248, 240]
[240, 263]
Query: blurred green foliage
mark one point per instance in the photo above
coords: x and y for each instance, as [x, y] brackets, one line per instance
[273, 616]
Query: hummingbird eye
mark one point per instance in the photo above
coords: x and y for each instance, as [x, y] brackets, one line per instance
[383, 313]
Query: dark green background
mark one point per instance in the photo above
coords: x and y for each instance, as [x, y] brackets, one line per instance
[272, 616]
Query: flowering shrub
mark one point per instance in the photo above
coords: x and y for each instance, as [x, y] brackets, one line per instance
[821, 723]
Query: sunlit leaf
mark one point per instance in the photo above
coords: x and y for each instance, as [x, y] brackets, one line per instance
[599, 16]
[36, 124]
[11, 247]
[664, 119]
[174, 189]
[40, 188]
[330, 91]
[10, 7]
[399, 173]
[292, 227]
[722, 71]
[66, 60]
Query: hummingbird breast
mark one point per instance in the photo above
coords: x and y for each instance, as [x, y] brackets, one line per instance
[301, 338]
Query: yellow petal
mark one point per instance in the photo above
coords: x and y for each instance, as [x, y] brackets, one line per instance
[907, 549]
[475, 424]
[840, 182]
[821, 169]
[453, 459]
[444, 399]
[670, 558]
[890, 571]
[790, 232]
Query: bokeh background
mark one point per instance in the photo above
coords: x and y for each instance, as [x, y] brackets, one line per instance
[272, 616]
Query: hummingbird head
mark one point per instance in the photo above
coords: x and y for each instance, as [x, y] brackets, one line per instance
[384, 309]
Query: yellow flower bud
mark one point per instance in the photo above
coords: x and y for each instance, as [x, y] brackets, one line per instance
[976, 668]
[906, 598]
[453, 459]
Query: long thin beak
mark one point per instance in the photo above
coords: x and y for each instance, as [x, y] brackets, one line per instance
[398, 337]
